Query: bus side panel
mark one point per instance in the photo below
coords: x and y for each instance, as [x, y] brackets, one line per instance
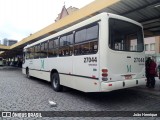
[36, 64]
[63, 65]
[86, 84]
[85, 71]
[67, 80]
[37, 68]
[40, 74]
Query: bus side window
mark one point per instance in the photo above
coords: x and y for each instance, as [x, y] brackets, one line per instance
[86, 40]
[44, 49]
[35, 54]
[65, 51]
[76, 50]
[86, 48]
[70, 50]
[31, 53]
[24, 57]
[66, 48]
[53, 48]
[53, 53]
[94, 47]
[70, 39]
[37, 51]
[27, 53]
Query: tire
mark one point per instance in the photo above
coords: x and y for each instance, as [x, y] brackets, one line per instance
[55, 81]
[27, 73]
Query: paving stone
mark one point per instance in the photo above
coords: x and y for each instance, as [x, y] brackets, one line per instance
[18, 93]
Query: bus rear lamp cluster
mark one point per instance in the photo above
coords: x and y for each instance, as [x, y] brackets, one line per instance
[104, 70]
[104, 74]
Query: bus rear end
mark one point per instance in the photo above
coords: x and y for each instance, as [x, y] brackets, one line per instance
[125, 59]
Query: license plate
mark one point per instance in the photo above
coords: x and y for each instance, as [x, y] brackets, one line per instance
[127, 77]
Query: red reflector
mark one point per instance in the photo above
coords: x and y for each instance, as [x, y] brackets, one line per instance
[104, 74]
[104, 70]
[109, 84]
[93, 76]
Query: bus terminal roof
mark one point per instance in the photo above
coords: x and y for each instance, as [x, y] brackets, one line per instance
[2, 47]
[147, 12]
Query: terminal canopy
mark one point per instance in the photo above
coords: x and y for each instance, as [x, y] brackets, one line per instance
[147, 12]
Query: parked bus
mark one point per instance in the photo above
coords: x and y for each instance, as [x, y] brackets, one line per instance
[99, 54]
[1, 61]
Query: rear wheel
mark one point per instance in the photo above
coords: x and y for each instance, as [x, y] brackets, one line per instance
[27, 73]
[55, 81]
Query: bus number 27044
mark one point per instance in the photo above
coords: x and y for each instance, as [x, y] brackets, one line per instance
[90, 59]
[139, 59]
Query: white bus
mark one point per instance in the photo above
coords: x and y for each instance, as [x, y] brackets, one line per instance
[100, 54]
[1, 61]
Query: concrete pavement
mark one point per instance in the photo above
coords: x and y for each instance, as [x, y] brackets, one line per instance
[155, 91]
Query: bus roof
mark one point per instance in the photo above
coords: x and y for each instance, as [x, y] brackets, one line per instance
[83, 23]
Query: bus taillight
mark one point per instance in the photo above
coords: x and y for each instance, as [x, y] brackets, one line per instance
[104, 70]
[104, 74]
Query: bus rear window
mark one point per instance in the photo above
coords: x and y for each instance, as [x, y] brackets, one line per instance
[125, 36]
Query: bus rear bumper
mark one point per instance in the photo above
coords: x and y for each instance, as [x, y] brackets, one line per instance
[110, 86]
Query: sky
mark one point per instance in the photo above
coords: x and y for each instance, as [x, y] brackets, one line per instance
[20, 18]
